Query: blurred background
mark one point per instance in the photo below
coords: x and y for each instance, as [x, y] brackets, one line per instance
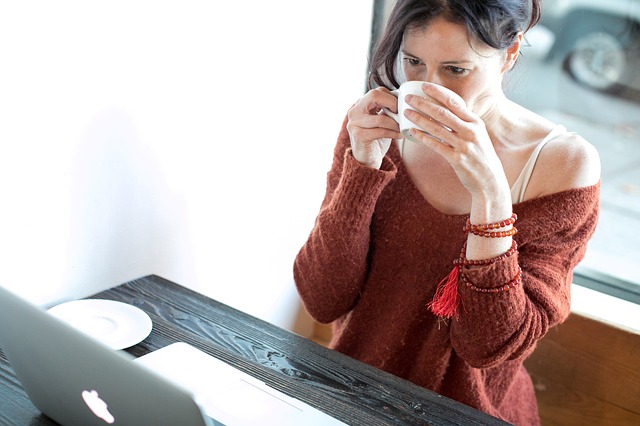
[582, 69]
[187, 139]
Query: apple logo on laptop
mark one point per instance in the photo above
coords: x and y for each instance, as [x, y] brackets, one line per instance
[97, 406]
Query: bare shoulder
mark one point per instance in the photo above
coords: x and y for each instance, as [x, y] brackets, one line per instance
[566, 162]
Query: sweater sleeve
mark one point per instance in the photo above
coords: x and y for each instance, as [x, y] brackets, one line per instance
[330, 268]
[552, 238]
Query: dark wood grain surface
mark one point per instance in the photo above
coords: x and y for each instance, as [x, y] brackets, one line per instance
[351, 391]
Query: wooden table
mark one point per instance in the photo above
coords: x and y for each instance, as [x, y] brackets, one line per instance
[349, 390]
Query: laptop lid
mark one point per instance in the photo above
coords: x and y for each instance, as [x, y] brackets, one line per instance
[77, 380]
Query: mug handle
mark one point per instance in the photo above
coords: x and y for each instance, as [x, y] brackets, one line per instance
[386, 111]
[405, 133]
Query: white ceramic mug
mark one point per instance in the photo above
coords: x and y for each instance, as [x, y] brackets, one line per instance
[408, 88]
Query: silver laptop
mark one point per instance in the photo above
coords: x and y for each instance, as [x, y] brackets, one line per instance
[77, 380]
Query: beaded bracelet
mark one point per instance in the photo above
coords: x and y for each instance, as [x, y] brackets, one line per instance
[463, 261]
[486, 226]
[495, 234]
[514, 282]
[446, 299]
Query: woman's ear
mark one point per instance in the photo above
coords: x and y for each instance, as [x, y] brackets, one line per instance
[513, 52]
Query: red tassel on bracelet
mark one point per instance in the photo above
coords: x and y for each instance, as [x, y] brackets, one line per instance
[446, 300]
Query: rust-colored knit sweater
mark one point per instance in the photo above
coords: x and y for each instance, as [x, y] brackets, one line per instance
[377, 253]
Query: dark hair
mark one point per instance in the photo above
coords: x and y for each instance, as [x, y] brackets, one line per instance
[493, 22]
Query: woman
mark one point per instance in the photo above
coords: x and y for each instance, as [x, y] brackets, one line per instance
[414, 255]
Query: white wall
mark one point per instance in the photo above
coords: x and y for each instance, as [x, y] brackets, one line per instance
[189, 139]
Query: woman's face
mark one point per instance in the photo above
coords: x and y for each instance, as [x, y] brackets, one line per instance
[442, 53]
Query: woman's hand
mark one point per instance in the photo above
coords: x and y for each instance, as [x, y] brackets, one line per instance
[371, 131]
[467, 146]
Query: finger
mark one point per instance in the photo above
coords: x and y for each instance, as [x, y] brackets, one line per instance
[438, 146]
[435, 128]
[371, 121]
[379, 98]
[372, 127]
[368, 135]
[449, 99]
[432, 111]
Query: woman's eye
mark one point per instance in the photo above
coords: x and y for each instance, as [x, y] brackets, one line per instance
[412, 61]
[457, 71]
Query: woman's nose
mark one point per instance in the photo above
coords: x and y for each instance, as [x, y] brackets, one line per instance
[433, 77]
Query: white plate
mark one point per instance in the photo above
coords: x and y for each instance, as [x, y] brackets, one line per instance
[116, 324]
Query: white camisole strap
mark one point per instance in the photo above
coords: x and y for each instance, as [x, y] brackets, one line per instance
[520, 185]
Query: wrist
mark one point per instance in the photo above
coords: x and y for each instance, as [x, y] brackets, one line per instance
[489, 206]
[367, 160]
[487, 240]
